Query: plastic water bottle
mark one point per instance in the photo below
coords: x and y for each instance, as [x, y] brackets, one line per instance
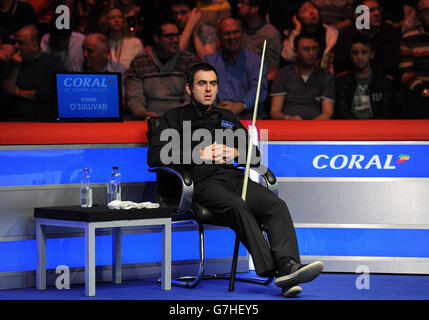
[114, 188]
[85, 189]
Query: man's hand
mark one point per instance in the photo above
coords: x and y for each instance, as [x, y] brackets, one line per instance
[234, 107]
[218, 153]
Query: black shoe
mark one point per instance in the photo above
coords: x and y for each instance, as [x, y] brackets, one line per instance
[291, 292]
[300, 273]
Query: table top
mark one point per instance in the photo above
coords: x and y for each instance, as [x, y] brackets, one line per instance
[102, 213]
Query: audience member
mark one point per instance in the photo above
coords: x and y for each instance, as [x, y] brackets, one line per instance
[364, 92]
[385, 36]
[414, 67]
[95, 51]
[213, 10]
[133, 14]
[337, 14]
[85, 14]
[238, 72]
[196, 36]
[30, 78]
[65, 44]
[257, 29]
[45, 12]
[155, 81]
[123, 47]
[303, 91]
[307, 21]
[280, 13]
[15, 14]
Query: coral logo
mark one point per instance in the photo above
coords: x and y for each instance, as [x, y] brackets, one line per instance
[402, 158]
[357, 161]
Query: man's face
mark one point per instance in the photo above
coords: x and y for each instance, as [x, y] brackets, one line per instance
[307, 52]
[181, 14]
[205, 87]
[92, 54]
[25, 44]
[374, 13]
[231, 36]
[361, 55]
[167, 44]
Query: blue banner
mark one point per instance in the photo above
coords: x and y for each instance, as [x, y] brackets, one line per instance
[345, 160]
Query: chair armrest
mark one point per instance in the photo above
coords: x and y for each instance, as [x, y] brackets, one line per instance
[187, 184]
[269, 178]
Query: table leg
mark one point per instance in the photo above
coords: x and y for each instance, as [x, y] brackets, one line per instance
[116, 255]
[166, 257]
[41, 256]
[90, 260]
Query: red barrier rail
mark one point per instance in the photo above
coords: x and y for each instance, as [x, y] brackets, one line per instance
[39, 133]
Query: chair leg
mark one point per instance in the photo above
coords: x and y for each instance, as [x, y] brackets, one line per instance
[234, 264]
[257, 280]
[193, 281]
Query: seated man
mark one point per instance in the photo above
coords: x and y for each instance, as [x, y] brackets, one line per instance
[385, 36]
[303, 91]
[95, 49]
[65, 44]
[218, 183]
[257, 29]
[414, 68]
[29, 80]
[364, 92]
[155, 81]
[196, 36]
[238, 71]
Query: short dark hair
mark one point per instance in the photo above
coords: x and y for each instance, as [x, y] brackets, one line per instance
[361, 38]
[262, 5]
[202, 66]
[304, 36]
[163, 22]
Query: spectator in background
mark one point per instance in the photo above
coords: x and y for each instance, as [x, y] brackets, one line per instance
[363, 92]
[414, 67]
[65, 44]
[337, 14]
[44, 11]
[196, 36]
[15, 14]
[257, 29]
[85, 14]
[213, 10]
[385, 36]
[238, 72]
[303, 91]
[95, 50]
[123, 47]
[30, 78]
[307, 21]
[281, 12]
[155, 81]
[132, 13]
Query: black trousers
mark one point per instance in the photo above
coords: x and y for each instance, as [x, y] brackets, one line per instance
[262, 210]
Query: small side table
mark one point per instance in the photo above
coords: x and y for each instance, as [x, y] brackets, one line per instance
[94, 218]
